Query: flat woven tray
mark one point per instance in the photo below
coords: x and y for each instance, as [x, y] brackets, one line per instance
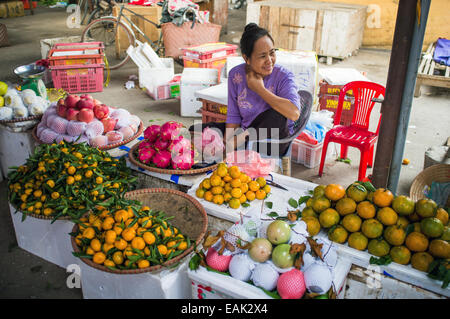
[132, 155]
[189, 217]
[103, 148]
[22, 119]
[439, 173]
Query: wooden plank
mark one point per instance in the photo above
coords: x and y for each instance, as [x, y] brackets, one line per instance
[284, 28]
[274, 25]
[434, 80]
[447, 72]
[431, 72]
[264, 17]
[318, 31]
[292, 37]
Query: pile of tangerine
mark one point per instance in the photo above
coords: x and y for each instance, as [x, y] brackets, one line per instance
[228, 185]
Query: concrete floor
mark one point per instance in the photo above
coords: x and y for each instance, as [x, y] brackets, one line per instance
[23, 275]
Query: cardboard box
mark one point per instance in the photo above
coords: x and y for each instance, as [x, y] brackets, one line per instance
[15, 9]
[3, 10]
[326, 88]
[330, 102]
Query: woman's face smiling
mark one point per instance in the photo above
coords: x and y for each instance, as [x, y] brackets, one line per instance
[263, 57]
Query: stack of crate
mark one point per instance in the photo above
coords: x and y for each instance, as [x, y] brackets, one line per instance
[329, 98]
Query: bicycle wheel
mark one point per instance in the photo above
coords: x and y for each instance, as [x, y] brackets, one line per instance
[98, 13]
[104, 30]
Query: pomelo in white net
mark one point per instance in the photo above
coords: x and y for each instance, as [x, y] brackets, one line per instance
[134, 127]
[127, 132]
[40, 127]
[98, 141]
[48, 136]
[81, 139]
[76, 128]
[241, 267]
[59, 125]
[20, 111]
[318, 278]
[94, 128]
[6, 113]
[114, 137]
[134, 119]
[265, 276]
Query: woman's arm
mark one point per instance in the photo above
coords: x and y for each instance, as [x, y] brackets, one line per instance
[279, 104]
[231, 140]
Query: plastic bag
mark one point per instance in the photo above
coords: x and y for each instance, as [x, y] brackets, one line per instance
[251, 163]
[316, 128]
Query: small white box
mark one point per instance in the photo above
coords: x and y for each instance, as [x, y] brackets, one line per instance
[305, 153]
[154, 78]
[47, 240]
[193, 80]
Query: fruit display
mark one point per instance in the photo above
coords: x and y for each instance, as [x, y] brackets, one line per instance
[391, 228]
[127, 235]
[281, 259]
[227, 185]
[16, 104]
[164, 147]
[85, 119]
[66, 179]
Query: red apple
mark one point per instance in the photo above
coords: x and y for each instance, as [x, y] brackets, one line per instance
[86, 115]
[85, 104]
[72, 114]
[61, 110]
[97, 102]
[86, 96]
[71, 100]
[61, 102]
[101, 111]
[108, 124]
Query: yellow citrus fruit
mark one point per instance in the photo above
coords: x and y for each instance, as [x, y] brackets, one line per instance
[243, 199]
[250, 196]
[162, 249]
[138, 243]
[338, 234]
[309, 212]
[95, 244]
[110, 237]
[426, 207]
[421, 261]
[200, 192]
[442, 215]
[372, 228]
[206, 184]
[234, 203]
[395, 235]
[182, 245]
[387, 216]
[236, 182]
[403, 205]
[218, 199]
[117, 257]
[319, 191]
[352, 223]
[107, 247]
[227, 178]
[319, 204]
[216, 190]
[120, 244]
[244, 178]
[334, 192]
[149, 238]
[439, 249]
[236, 192]
[234, 171]
[89, 233]
[378, 247]
[208, 196]
[446, 234]
[366, 210]
[400, 255]
[121, 216]
[128, 234]
[357, 192]
[227, 188]
[417, 242]
[402, 221]
[244, 188]
[227, 197]
[346, 206]
[253, 186]
[312, 225]
[260, 194]
[432, 227]
[383, 197]
[222, 171]
[267, 189]
[358, 241]
[261, 181]
[99, 258]
[328, 218]
[143, 263]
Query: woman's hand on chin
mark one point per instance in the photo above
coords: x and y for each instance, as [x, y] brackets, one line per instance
[254, 81]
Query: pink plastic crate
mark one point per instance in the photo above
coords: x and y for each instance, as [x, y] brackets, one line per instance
[90, 53]
[78, 78]
[210, 51]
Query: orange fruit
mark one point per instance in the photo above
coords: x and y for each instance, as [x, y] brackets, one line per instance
[216, 190]
[143, 263]
[227, 188]
[236, 192]
[432, 227]
[387, 216]
[352, 223]
[358, 241]
[309, 212]
[334, 192]
[261, 181]
[215, 180]
[120, 244]
[403, 205]
[395, 235]
[149, 238]
[244, 178]
[319, 204]
[357, 192]
[117, 257]
[222, 171]
[162, 249]
[110, 237]
[421, 261]
[243, 199]
[312, 225]
[206, 183]
[227, 178]
[260, 194]
[338, 234]
[442, 215]
[95, 244]
[244, 188]
[234, 171]
[128, 234]
[426, 207]
[400, 255]
[218, 199]
[236, 182]
[138, 243]
[253, 186]
[372, 228]
[227, 197]
[378, 247]
[328, 218]
[403, 222]
[250, 196]
[121, 216]
[414, 217]
[366, 210]
[267, 189]
[346, 206]
[99, 258]
[417, 242]
[319, 191]
[439, 249]
[200, 192]
[208, 196]
[234, 203]
[383, 197]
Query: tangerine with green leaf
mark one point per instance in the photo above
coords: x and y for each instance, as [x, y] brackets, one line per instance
[338, 234]
[357, 192]
[328, 218]
[426, 207]
[421, 261]
[432, 227]
[395, 235]
[378, 247]
[400, 255]
[319, 204]
[403, 205]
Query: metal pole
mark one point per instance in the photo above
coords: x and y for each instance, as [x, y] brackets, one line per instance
[408, 92]
[390, 109]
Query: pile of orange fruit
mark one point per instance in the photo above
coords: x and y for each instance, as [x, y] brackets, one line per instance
[230, 186]
[377, 220]
[128, 237]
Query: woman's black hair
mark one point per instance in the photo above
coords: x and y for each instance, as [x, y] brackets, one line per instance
[252, 33]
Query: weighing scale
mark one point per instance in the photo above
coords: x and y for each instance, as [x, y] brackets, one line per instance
[32, 75]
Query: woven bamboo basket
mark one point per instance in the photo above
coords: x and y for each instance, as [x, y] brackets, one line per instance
[436, 173]
[22, 119]
[132, 155]
[103, 148]
[189, 217]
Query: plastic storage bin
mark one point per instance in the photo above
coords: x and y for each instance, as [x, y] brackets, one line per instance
[78, 78]
[192, 80]
[306, 154]
[210, 50]
[76, 53]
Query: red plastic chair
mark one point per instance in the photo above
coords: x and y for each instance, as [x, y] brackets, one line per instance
[356, 134]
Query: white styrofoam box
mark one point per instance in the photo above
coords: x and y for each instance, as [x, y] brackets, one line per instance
[164, 284]
[217, 93]
[210, 285]
[303, 64]
[47, 240]
[404, 273]
[341, 76]
[278, 197]
[151, 78]
[15, 148]
[193, 80]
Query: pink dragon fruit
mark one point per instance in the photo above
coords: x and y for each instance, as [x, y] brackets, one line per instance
[151, 132]
[145, 144]
[183, 162]
[170, 130]
[180, 145]
[162, 159]
[161, 144]
[146, 155]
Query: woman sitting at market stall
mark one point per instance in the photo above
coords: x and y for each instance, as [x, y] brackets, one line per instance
[261, 95]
